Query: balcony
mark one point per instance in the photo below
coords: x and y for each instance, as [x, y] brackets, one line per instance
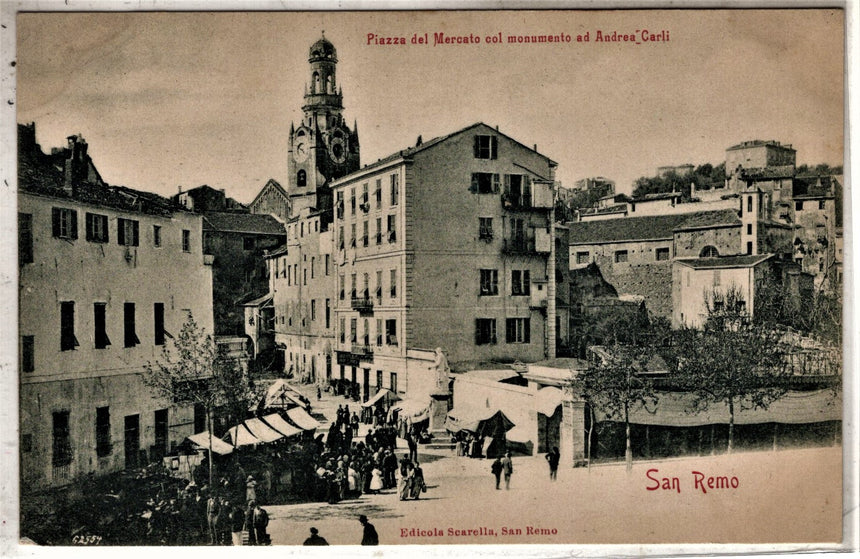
[364, 305]
[519, 245]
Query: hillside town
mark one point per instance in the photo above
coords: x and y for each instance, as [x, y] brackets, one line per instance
[191, 364]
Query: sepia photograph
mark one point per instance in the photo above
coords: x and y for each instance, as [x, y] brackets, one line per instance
[447, 278]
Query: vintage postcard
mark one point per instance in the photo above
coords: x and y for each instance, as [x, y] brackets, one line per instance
[557, 277]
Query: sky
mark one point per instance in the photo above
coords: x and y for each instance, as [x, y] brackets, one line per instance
[182, 99]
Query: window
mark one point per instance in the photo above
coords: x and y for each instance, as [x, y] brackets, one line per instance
[158, 321]
[620, 256]
[749, 228]
[186, 240]
[103, 445]
[353, 330]
[68, 341]
[351, 201]
[821, 204]
[378, 380]
[131, 339]
[365, 201]
[342, 332]
[749, 247]
[248, 243]
[518, 190]
[662, 253]
[161, 424]
[395, 189]
[485, 228]
[301, 178]
[339, 204]
[25, 238]
[520, 282]
[392, 228]
[352, 235]
[62, 447]
[366, 332]
[485, 183]
[391, 331]
[583, 257]
[393, 279]
[327, 264]
[65, 223]
[379, 285]
[489, 282]
[342, 286]
[486, 147]
[517, 331]
[101, 337]
[378, 193]
[302, 229]
[353, 290]
[340, 242]
[97, 228]
[749, 204]
[379, 230]
[365, 237]
[327, 314]
[366, 293]
[379, 331]
[485, 331]
[156, 235]
[304, 276]
[798, 205]
[392, 382]
[313, 309]
[28, 354]
[127, 232]
[709, 252]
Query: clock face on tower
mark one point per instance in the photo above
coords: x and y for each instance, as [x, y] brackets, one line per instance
[338, 150]
[301, 152]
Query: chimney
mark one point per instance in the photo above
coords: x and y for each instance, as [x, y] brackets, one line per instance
[419, 141]
[76, 164]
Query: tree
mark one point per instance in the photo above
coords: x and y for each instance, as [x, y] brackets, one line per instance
[732, 360]
[614, 385]
[194, 372]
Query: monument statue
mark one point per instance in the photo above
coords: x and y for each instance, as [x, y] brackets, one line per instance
[440, 365]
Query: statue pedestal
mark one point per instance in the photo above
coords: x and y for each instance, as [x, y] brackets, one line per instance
[438, 411]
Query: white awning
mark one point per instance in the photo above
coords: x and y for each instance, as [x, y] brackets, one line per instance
[519, 434]
[548, 399]
[281, 395]
[252, 431]
[277, 422]
[383, 392]
[415, 410]
[303, 419]
[202, 440]
[262, 431]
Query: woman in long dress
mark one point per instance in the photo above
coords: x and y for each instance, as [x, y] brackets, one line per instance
[376, 480]
[406, 482]
[417, 481]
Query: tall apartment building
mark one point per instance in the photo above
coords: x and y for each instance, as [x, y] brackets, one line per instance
[107, 276]
[302, 289]
[442, 245]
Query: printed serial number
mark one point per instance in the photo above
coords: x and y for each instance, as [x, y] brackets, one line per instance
[86, 540]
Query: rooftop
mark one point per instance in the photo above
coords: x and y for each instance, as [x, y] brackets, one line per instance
[759, 143]
[242, 223]
[743, 261]
[654, 227]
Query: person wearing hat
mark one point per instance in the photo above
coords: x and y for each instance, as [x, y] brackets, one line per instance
[369, 537]
[315, 538]
[250, 489]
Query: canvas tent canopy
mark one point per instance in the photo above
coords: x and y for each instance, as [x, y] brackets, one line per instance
[218, 446]
[382, 393]
[281, 395]
[278, 423]
[415, 410]
[547, 400]
[252, 431]
[303, 419]
[483, 423]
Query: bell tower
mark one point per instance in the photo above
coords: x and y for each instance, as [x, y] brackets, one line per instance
[322, 147]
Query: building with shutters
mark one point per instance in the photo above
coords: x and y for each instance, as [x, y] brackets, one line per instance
[445, 245]
[107, 276]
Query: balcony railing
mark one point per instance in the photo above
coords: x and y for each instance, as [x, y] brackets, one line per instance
[362, 304]
[519, 245]
[362, 350]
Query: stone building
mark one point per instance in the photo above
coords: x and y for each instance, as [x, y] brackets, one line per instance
[445, 245]
[272, 200]
[107, 275]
